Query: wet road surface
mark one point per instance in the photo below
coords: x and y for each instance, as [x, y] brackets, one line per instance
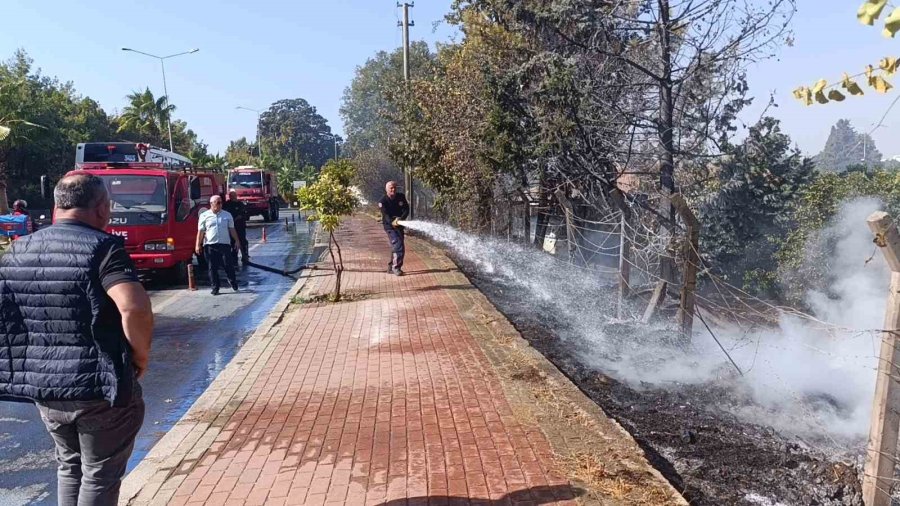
[195, 337]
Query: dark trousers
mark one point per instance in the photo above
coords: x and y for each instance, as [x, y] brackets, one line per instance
[93, 444]
[241, 230]
[217, 257]
[398, 249]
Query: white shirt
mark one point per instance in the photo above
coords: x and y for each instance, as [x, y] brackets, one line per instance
[216, 226]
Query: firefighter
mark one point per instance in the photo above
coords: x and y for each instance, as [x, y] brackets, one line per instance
[394, 207]
[238, 211]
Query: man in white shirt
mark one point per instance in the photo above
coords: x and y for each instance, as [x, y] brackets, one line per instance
[214, 240]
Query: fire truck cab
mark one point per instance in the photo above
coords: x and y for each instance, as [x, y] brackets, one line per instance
[257, 189]
[156, 198]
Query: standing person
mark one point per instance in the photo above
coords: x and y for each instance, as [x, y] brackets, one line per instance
[20, 208]
[238, 211]
[76, 327]
[215, 238]
[394, 207]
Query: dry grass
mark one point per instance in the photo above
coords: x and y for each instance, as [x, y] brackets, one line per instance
[529, 374]
[618, 484]
[322, 298]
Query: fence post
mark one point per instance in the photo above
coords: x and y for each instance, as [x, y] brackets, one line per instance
[624, 251]
[691, 261]
[570, 223]
[881, 451]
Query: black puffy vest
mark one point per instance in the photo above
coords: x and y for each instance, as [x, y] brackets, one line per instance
[61, 335]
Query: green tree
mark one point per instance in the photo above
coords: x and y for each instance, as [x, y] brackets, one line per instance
[331, 199]
[845, 147]
[294, 131]
[804, 264]
[367, 102]
[759, 181]
[239, 152]
[29, 98]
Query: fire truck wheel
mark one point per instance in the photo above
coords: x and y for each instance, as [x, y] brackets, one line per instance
[267, 217]
[178, 274]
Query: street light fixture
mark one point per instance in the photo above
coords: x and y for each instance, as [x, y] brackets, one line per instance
[162, 63]
[258, 122]
[334, 138]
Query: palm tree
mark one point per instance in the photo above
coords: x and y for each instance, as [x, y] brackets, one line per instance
[219, 162]
[146, 116]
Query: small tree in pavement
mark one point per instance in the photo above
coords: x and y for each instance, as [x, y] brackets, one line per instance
[330, 199]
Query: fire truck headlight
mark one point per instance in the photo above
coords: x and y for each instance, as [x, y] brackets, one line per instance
[157, 246]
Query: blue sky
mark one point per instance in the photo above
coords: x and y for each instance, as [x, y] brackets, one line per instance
[253, 53]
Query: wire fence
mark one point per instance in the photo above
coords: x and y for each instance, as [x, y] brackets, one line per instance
[589, 239]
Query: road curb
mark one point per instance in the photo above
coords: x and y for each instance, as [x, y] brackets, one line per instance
[206, 418]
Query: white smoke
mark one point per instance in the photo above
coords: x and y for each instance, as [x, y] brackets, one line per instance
[804, 377]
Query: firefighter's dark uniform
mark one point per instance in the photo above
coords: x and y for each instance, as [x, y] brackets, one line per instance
[391, 209]
[238, 210]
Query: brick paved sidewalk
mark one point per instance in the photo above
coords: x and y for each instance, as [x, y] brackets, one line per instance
[414, 392]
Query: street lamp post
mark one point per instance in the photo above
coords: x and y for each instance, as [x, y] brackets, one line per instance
[334, 138]
[162, 63]
[258, 122]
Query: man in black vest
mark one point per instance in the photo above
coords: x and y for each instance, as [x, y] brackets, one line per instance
[394, 207]
[75, 332]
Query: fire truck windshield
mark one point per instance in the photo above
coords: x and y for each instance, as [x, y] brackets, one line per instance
[245, 179]
[103, 152]
[137, 200]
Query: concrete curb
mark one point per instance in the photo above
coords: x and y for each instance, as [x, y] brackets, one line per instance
[205, 419]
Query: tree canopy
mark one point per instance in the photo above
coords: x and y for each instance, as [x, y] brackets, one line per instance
[846, 147]
[293, 130]
[47, 118]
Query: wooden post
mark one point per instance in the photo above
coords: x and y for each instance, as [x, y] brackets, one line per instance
[624, 252]
[570, 221]
[881, 451]
[526, 217]
[691, 262]
[656, 300]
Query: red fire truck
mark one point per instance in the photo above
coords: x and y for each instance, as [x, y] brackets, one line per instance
[257, 188]
[156, 197]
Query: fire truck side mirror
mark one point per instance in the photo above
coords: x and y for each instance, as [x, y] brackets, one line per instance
[45, 188]
[195, 188]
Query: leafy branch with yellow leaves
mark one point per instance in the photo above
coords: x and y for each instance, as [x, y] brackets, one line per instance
[867, 14]
[871, 10]
[823, 93]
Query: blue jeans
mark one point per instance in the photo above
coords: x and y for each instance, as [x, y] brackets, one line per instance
[93, 444]
[398, 249]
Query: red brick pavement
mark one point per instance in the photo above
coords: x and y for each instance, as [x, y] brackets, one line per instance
[383, 400]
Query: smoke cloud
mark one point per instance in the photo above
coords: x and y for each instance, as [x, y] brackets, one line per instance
[802, 378]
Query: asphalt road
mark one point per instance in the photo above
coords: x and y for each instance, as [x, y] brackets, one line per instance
[196, 335]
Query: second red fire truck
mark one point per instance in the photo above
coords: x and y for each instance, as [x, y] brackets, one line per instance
[257, 188]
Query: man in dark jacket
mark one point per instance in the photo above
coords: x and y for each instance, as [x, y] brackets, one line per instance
[75, 332]
[394, 207]
[238, 212]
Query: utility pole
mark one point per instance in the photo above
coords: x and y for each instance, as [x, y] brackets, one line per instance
[407, 171]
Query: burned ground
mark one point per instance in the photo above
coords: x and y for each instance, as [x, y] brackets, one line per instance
[706, 452]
